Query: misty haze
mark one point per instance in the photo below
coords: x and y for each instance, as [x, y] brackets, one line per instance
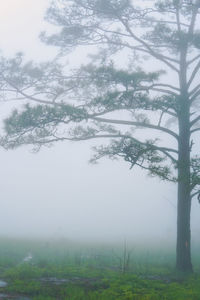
[100, 165]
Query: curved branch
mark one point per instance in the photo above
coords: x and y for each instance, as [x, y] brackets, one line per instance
[194, 121]
[193, 60]
[146, 168]
[194, 130]
[164, 150]
[167, 85]
[155, 87]
[139, 124]
[164, 91]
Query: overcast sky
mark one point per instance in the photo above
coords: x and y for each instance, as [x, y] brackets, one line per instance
[56, 192]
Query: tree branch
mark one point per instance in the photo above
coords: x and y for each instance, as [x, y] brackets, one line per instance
[194, 130]
[164, 150]
[29, 96]
[168, 22]
[194, 194]
[194, 121]
[195, 71]
[136, 48]
[164, 91]
[149, 49]
[193, 60]
[167, 85]
[194, 90]
[195, 95]
[132, 123]
[155, 87]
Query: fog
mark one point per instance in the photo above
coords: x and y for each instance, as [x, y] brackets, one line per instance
[56, 193]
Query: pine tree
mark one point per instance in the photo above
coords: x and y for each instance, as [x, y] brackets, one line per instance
[107, 100]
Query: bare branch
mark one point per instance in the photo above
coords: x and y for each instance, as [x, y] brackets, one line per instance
[195, 95]
[193, 60]
[194, 121]
[194, 73]
[167, 85]
[194, 130]
[155, 87]
[139, 124]
[164, 91]
[194, 90]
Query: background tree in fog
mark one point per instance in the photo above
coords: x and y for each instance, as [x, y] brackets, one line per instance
[156, 88]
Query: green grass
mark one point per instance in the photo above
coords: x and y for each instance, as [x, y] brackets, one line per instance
[94, 272]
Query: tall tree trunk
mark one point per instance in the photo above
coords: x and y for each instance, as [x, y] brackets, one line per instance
[183, 253]
[183, 248]
[183, 259]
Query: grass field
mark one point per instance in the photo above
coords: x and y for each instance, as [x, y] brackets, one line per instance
[66, 270]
